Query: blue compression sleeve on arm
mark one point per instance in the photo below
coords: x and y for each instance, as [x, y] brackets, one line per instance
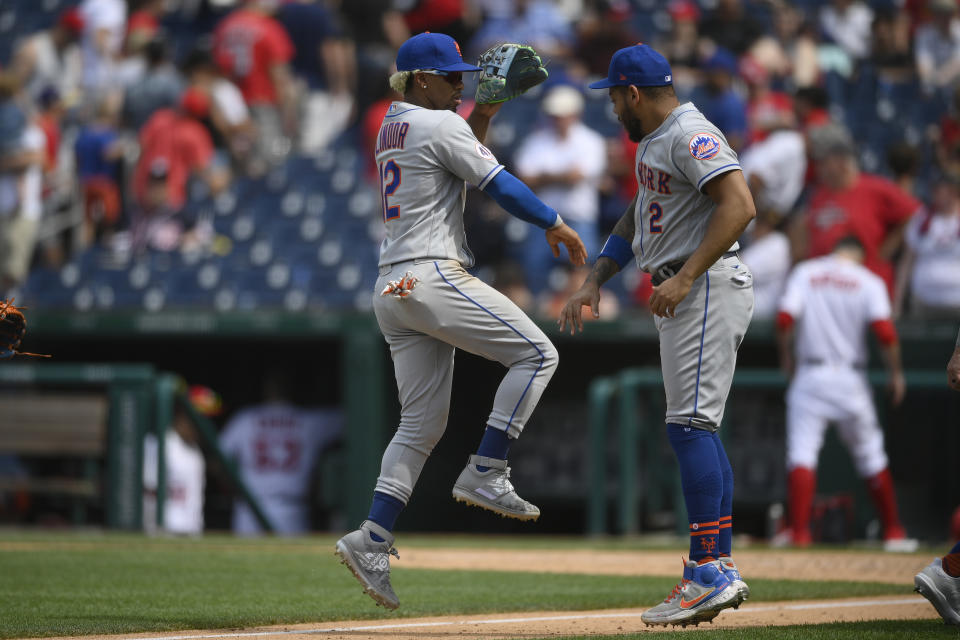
[520, 201]
[618, 250]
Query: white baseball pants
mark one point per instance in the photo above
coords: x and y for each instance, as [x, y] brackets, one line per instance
[839, 394]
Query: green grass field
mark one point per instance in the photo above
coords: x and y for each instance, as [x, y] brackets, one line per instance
[80, 584]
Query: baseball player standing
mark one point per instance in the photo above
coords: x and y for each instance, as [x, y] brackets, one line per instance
[428, 305]
[828, 304]
[682, 227]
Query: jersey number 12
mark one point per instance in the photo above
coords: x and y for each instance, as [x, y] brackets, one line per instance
[389, 181]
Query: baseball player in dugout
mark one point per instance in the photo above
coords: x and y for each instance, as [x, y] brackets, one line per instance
[828, 304]
[682, 227]
[425, 301]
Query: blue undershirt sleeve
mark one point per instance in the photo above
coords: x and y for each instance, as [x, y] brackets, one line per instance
[518, 200]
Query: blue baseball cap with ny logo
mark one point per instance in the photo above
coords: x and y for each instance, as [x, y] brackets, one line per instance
[432, 51]
[640, 66]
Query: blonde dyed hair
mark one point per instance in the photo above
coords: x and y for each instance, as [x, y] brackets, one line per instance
[400, 80]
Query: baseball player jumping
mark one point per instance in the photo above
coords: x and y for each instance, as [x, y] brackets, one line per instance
[827, 306]
[682, 227]
[428, 305]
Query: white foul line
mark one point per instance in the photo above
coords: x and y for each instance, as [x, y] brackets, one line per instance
[584, 616]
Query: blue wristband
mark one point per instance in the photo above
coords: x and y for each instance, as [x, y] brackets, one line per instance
[618, 250]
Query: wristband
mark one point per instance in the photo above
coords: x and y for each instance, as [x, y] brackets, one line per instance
[618, 250]
[559, 221]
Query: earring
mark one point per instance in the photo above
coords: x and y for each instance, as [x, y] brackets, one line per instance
[424, 86]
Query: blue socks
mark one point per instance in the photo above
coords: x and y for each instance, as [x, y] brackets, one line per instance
[725, 542]
[495, 444]
[701, 476]
[384, 511]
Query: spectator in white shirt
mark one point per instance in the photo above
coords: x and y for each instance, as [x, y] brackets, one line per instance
[849, 23]
[930, 267]
[21, 205]
[774, 169]
[936, 46]
[104, 24]
[563, 163]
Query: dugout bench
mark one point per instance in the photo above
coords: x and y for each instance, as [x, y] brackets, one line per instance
[96, 415]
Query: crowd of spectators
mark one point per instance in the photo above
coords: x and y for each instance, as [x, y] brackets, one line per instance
[109, 115]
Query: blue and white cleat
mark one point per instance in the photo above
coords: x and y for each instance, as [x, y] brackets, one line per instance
[703, 592]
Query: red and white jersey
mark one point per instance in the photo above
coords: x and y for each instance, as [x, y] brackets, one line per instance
[833, 301]
[276, 447]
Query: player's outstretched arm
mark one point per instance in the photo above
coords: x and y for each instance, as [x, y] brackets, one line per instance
[615, 255]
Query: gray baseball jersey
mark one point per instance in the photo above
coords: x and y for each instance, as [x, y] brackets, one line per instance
[698, 346]
[672, 166]
[425, 157]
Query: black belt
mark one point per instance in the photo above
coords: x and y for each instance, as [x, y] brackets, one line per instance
[672, 268]
[816, 362]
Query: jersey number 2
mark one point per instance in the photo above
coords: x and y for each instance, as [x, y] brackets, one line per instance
[389, 181]
[656, 212]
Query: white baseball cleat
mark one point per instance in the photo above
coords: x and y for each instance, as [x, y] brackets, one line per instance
[369, 561]
[492, 489]
[941, 589]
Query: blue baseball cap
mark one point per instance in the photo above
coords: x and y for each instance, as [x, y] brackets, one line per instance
[640, 66]
[432, 51]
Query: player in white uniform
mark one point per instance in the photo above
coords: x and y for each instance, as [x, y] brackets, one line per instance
[428, 305]
[185, 476]
[682, 227]
[275, 447]
[827, 306]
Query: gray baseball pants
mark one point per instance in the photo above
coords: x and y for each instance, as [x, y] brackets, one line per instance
[449, 309]
[698, 347]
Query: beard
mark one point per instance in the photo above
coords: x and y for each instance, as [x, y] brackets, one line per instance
[632, 125]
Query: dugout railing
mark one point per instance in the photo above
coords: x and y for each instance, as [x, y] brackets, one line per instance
[626, 411]
[139, 400]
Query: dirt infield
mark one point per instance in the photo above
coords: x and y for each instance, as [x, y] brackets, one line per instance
[889, 568]
[820, 565]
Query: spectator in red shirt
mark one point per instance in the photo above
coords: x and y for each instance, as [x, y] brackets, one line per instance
[846, 201]
[254, 50]
[177, 137]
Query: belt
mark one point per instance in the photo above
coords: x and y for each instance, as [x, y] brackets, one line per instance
[819, 362]
[672, 268]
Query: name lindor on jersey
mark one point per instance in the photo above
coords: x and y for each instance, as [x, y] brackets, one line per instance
[646, 178]
[393, 135]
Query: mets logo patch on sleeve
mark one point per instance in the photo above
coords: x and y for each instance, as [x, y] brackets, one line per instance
[704, 146]
[484, 152]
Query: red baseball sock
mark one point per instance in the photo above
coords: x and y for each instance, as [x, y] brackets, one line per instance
[951, 564]
[885, 500]
[801, 486]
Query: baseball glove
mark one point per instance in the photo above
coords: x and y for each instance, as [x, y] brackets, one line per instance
[507, 70]
[13, 326]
